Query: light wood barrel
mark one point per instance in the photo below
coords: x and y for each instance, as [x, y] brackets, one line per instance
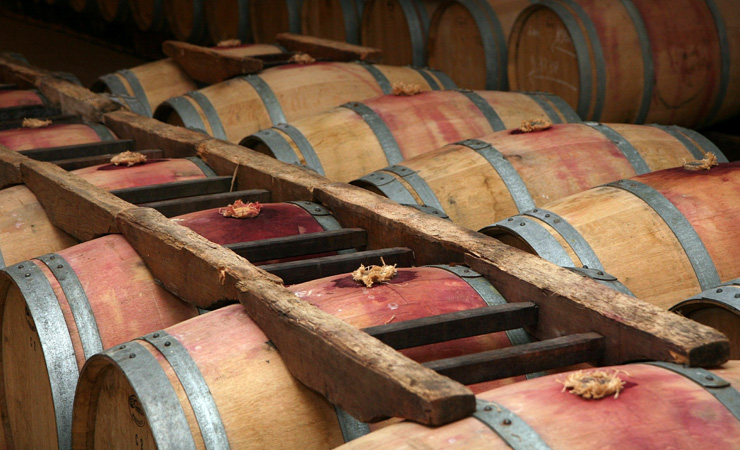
[718, 308]
[658, 408]
[58, 310]
[350, 141]
[148, 14]
[333, 19]
[270, 17]
[25, 229]
[665, 235]
[55, 136]
[114, 10]
[480, 181]
[669, 62]
[12, 98]
[398, 28]
[186, 20]
[143, 88]
[244, 105]
[248, 384]
[228, 19]
[468, 40]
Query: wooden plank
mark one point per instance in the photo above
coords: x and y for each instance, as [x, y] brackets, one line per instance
[78, 150]
[175, 189]
[87, 161]
[10, 167]
[364, 377]
[327, 48]
[302, 244]
[180, 206]
[294, 272]
[521, 359]
[456, 325]
[74, 99]
[72, 204]
[569, 303]
[207, 65]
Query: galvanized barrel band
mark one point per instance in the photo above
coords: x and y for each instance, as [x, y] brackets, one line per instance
[188, 114]
[433, 85]
[494, 42]
[702, 143]
[383, 83]
[244, 24]
[129, 102]
[677, 133]
[443, 78]
[137, 89]
[628, 150]
[2, 261]
[543, 103]
[351, 13]
[79, 305]
[418, 24]
[534, 234]
[706, 272]
[195, 387]
[304, 146]
[205, 168]
[720, 388]
[211, 114]
[279, 146]
[426, 209]
[294, 15]
[425, 193]
[351, 427]
[114, 84]
[154, 397]
[602, 277]
[510, 427]
[491, 296]
[387, 142]
[103, 132]
[580, 246]
[322, 215]
[268, 97]
[726, 295]
[648, 71]
[724, 49]
[55, 340]
[494, 121]
[580, 43]
[508, 174]
[389, 186]
[554, 106]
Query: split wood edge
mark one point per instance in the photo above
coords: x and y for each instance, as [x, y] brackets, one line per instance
[208, 65]
[328, 49]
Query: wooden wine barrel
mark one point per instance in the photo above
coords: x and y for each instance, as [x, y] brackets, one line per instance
[248, 384]
[659, 407]
[479, 181]
[718, 308]
[25, 229]
[58, 310]
[148, 14]
[55, 136]
[244, 105]
[398, 28]
[143, 88]
[228, 19]
[632, 62]
[84, 6]
[270, 17]
[349, 141]
[333, 19]
[114, 10]
[468, 40]
[665, 235]
[19, 104]
[186, 20]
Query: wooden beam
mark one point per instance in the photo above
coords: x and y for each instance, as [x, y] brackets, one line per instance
[75, 99]
[10, 167]
[301, 244]
[174, 189]
[358, 373]
[72, 204]
[321, 48]
[208, 65]
[78, 150]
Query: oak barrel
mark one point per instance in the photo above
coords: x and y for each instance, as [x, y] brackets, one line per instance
[479, 181]
[16, 97]
[248, 384]
[148, 14]
[669, 62]
[114, 10]
[25, 229]
[349, 141]
[143, 88]
[55, 136]
[338, 20]
[186, 20]
[271, 17]
[468, 40]
[228, 19]
[666, 235]
[659, 407]
[241, 106]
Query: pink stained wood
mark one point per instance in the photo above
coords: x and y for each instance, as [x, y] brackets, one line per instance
[51, 136]
[155, 171]
[9, 99]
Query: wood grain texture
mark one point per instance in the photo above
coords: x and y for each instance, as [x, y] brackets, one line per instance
[75, 99]
[207, 65]
[10, 167]
[328, 48]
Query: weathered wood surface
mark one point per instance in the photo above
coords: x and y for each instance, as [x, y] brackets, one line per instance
[10, 167]
[75, 99]
[328, 49]
[358, 373]
[568, 302]
[207, 65]
[72, 204]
